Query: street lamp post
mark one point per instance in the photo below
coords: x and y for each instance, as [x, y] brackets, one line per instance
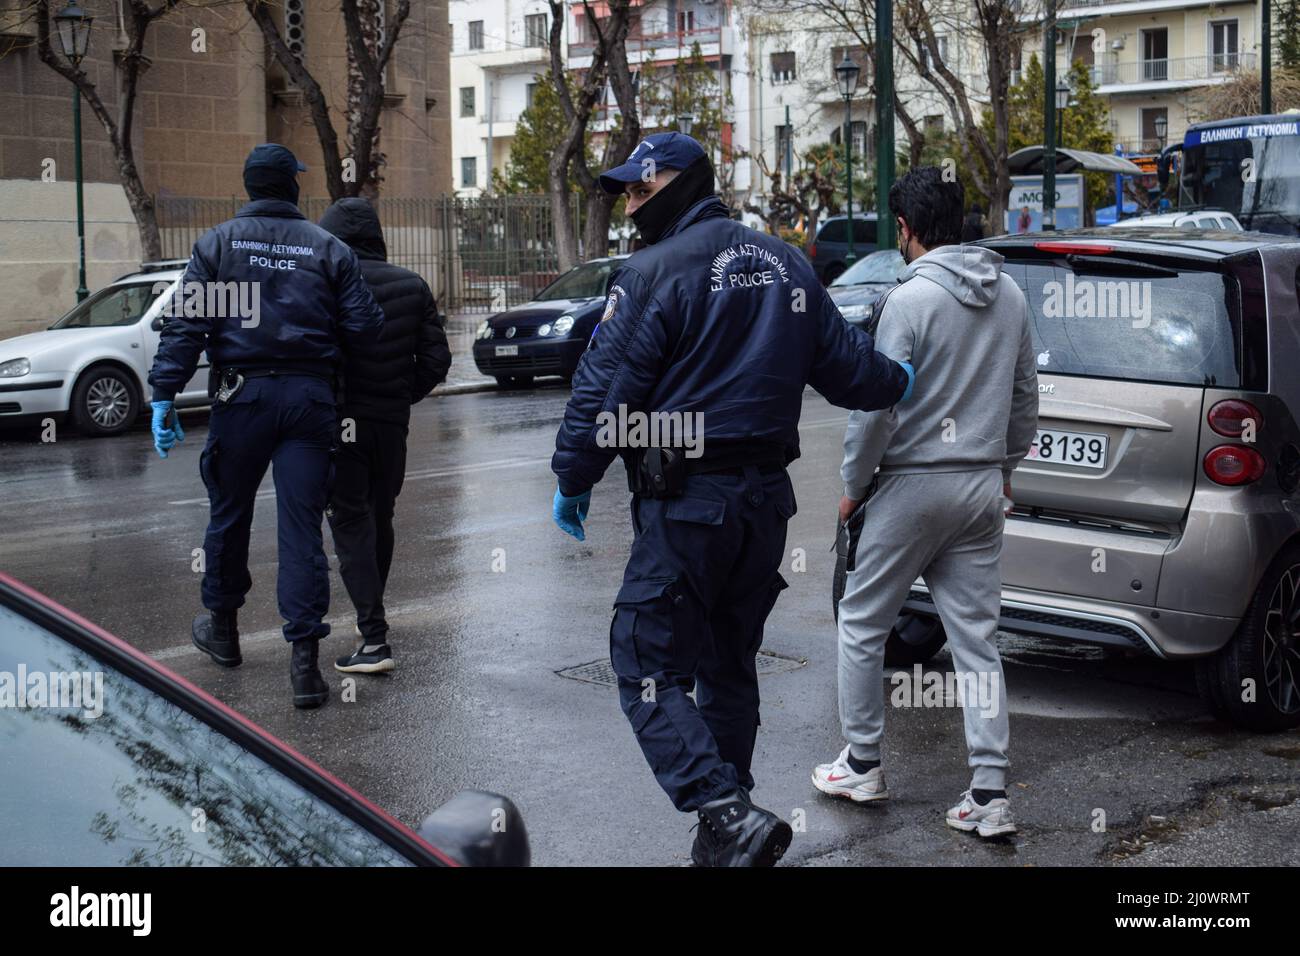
[73, 26]
[846, 75]
[1049, 116]
[684, 123]
[1062, 101]
[1162, 129]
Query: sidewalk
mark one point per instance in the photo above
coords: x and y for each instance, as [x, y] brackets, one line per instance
[463, 376]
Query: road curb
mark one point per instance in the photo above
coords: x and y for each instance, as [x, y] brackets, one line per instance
[465, 388]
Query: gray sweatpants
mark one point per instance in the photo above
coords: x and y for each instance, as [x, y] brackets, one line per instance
[945, 527]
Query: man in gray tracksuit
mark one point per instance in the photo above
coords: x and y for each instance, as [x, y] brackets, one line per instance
[937, 507]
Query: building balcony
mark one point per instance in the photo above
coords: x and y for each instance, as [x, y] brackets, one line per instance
[507, 58]
[1144, 76]
[1069, 10]
[665, 46]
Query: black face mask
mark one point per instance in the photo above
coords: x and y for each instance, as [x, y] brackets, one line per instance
[662, 210]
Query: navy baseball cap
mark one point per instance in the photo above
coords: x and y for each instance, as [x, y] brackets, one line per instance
[274, 156]
[665, 150]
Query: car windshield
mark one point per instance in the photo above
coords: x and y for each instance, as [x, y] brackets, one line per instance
[116, 305]
[1178, 329]
[586, 281]
[877, 267]
[1257, 179]
[101, 771]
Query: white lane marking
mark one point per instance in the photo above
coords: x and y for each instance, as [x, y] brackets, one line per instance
[416, 475]
[480, 466]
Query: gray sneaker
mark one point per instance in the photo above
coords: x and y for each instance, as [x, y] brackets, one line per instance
[991, 820]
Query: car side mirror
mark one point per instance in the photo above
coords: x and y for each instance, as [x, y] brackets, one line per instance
[157, 323]
[477, 828]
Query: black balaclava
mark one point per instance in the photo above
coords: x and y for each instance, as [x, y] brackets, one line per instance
[658, 214]
[267, 182]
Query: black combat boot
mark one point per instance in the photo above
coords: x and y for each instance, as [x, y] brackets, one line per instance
[216, 634]
[309, 688]
[734, 832]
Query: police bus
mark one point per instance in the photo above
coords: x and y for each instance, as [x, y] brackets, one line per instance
[1247, 165]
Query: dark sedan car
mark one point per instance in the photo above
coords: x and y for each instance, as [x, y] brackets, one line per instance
[828, 249]
[110, 759]
[546, 336]
[857, 288]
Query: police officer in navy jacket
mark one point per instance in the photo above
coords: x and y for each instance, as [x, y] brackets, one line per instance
[709, 336]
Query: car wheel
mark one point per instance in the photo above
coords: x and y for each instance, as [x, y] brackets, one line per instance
[832, 272]
[514, 381]
[1262, 661]
[104, 402]
[914, 639]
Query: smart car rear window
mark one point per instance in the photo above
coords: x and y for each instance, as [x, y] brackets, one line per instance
[1182, 328]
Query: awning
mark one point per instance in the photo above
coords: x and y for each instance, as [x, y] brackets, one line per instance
[1030, 160]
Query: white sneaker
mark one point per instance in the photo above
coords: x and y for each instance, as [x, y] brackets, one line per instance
[838, 779]
[992, 819]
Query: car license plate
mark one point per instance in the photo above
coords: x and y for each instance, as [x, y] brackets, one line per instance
[1078, 449]
[507, 350]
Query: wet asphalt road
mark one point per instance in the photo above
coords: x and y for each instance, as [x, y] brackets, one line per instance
[107, 528]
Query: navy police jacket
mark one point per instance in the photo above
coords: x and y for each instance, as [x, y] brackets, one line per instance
[277, 291]
[722, 320]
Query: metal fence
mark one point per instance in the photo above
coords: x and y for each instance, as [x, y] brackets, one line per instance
[478, 254]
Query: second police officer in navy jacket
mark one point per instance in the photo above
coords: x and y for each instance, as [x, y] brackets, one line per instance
[710, 333]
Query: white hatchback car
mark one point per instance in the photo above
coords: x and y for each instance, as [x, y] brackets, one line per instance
[92, 365]
[1194, 219]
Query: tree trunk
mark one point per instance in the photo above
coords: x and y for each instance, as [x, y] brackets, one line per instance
[566, 238]
[609, 60]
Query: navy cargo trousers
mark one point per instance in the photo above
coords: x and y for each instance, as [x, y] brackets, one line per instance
[288, 422]
[702, 577]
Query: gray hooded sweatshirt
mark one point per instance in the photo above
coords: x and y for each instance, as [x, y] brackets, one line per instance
[965, 327]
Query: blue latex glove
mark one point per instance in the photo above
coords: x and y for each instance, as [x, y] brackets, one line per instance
[911, 380]
[569, 513]
[163, 437]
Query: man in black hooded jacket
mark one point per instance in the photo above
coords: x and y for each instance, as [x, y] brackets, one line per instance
[380, 384]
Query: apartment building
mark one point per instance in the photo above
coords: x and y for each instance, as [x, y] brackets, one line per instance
[1154, 59]
[796, 102]
[664, 32]
[499, 49]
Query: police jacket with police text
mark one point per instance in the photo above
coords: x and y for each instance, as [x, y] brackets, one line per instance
[274, 291]
[719, 319]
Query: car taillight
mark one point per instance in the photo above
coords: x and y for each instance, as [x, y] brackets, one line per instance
[812, 250]
[1229, 417]
[1233, 465]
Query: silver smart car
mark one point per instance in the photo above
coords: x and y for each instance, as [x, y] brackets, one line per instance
[1158, 510]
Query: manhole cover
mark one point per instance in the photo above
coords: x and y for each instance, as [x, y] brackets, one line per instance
[602, 671]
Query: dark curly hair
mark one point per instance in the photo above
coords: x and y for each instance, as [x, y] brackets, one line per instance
[931, 207]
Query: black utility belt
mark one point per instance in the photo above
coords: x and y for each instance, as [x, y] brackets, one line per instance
[662, 472]
[231, 380]
[264, 372]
